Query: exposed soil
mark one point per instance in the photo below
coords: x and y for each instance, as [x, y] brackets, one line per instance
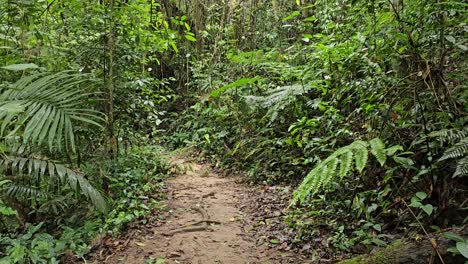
[211, 219]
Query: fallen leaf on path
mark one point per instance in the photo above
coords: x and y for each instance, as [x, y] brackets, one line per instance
[274, 241]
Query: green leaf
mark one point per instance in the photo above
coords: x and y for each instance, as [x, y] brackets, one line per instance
[239, 83]
[377, 227]
[274, 241]
[415, 203]
[454, 3]
[174, 47]
[450, 39]
[461, 46]
[454, 237]
[379, 242]
[345, 164]
[463, 248]
[310, 19]
[3, 182]
[377, 149]
[393, 149]
[428, 209]
[46, 107]
[404, 161]
[56, 173]
[291, 16]
[453, 250]
[458, 150]
[207, 138]
[361, 159]
[20, 67]
[421, 195]
[12, 107]
[7, 211]
[190, 38]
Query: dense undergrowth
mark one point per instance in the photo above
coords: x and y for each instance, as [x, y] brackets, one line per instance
[78, 105]
[362, 102]
[360, 105]
[66, 229]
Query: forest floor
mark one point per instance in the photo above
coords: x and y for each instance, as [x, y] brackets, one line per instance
[211, 219]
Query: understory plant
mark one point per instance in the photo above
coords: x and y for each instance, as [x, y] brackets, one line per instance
[340, 164]
[300, 110]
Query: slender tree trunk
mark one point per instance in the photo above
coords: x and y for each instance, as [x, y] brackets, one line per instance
[199, 23]
[305, 11]
[253, 24]
[108, 76]
[109, 80]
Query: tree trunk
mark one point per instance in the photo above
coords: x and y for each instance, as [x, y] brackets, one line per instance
[109, 81]
[109, 54]
[199, 24]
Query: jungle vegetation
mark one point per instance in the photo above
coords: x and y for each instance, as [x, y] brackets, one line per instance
[360, 106]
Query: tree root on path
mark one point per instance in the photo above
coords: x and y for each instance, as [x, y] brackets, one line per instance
[205, 221]
[187, 230]
[202, 211]
[192, 227]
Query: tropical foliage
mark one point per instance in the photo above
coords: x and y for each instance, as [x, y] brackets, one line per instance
[65, 124]
[360, 106]
[305, 92]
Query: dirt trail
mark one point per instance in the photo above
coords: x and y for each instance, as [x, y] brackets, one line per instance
[205, 225]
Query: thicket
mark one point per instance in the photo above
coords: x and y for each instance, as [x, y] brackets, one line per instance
[304, 91]
[361, 105]
[78, 97]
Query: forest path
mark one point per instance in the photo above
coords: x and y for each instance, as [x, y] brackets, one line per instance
[205, 224]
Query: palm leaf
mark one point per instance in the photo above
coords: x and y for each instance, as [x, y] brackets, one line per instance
[45, 107]
[45, 170]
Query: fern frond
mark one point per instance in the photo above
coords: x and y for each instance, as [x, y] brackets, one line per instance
[330, 172]
[239, 83]
[310, 182]
[450, 135]
[360, 154]
[345, 164]
[458, 150]
[378, 150]
[277, 99]
[462, 167]
[327, 170]
[276, 96]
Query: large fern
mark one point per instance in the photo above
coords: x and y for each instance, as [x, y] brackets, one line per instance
[277, 99]
[44, 107]
[340, 164]
[239, 83]
[458, 138]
